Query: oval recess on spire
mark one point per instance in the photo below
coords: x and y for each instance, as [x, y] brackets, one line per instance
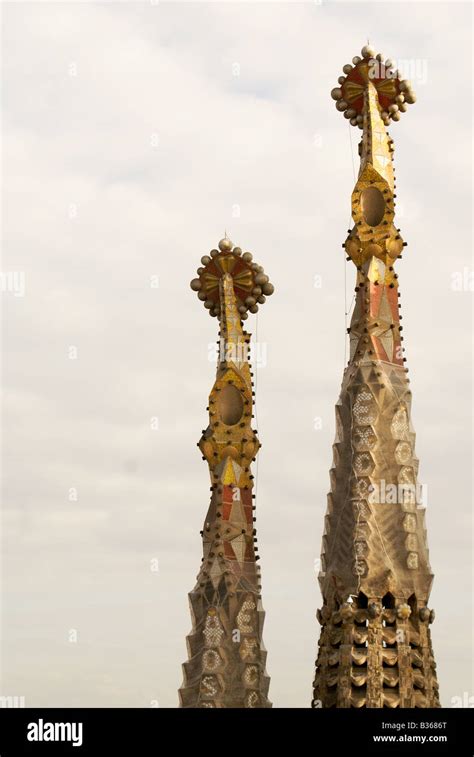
[230, 405]
[372, 205]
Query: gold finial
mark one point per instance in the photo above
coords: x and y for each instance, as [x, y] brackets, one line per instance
[251, 283]
[394, 94]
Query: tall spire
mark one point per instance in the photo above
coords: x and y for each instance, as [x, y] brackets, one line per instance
[375, 645]
[226, 666]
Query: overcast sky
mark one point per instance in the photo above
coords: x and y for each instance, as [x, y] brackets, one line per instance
[134, 134]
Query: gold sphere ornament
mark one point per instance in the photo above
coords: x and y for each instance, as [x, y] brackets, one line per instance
[394, 247]
[225, 245]
[367, 52]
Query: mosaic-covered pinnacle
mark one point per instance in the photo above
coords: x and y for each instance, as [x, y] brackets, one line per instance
[251, 284]
[394, 93]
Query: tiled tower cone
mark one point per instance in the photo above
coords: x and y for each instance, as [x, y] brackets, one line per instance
[226, 665]
[375, 646]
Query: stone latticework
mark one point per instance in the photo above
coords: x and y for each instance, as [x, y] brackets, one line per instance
[226, 665]
[375, 647]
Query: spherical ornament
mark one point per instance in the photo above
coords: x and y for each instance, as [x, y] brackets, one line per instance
[347, 68]
[205, 260]
[208, 304]
[402, 107]
[374, 609]
[352, 247]
[404, 611]
[250, 448]
[249, 301]
[242, 309]
[196, 285]
[432, 616]
[257, 291]
[225, 245]
[394, 247]
[351, 113]
[356, 60]
[267, 289]
[202, 296]
[393, 108]
[424, 614]
[200, 270]
[403, 85]
[237, 251]
[341, 79]
[261, 278]
[262, 299]
[341, 105]
[410, 97]
[213, 253]
[346, 115]
[353, 122]
[254, 309]
[384, 115]
[395, 116]
[244, 316]
[400, 98]
[247, 256]
[367, 52]
[360, 119]
[336, 93]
